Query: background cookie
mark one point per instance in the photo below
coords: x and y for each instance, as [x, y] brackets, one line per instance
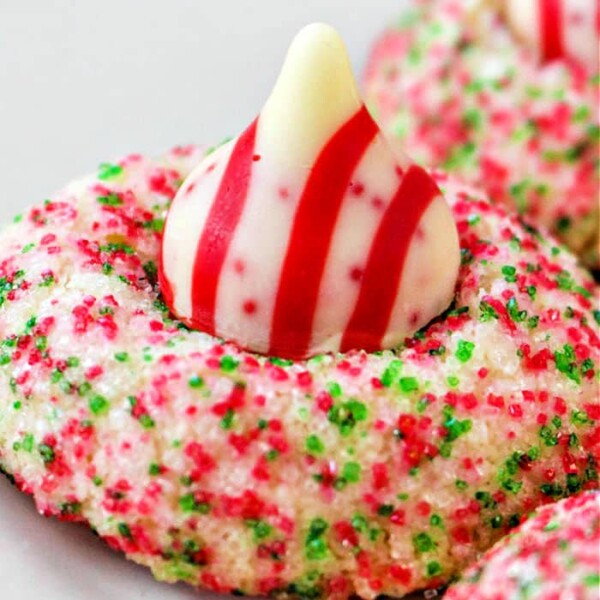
[462, 95]
[555, 554]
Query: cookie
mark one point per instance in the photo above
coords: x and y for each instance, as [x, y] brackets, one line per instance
[460, 93]
[554, 554]
[367, 473]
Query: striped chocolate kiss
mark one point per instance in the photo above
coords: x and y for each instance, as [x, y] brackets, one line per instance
[309, 233]
[558, 29]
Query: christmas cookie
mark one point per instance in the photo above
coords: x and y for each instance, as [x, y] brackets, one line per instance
[507, 100]
[369, 470]
[555, 554]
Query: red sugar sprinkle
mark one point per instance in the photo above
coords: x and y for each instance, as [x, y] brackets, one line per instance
[278, 374]
[324, 401]
[398, 517]
[156, 326]
[345, 533]
[304, 379]
[48, 239]
[375, 584]
[401, 574]
[94, 372]
[423, 508]
[560, 406]
[380, 475]
[515, 411]
[461, 535]
[337, 585]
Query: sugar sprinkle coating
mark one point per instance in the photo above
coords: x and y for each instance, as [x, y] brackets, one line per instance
[357, 473]
[472, 101]
[554, 554]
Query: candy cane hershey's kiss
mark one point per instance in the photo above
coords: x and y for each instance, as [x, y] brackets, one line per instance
[309, 233]
[557, 29]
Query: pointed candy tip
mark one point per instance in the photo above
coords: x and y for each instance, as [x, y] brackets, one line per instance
[316, 88]
[319, 44]
[317, 33]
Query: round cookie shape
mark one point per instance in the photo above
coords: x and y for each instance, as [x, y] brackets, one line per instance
[461, 94]
[349, 473]
[308, 233]
[554, 554]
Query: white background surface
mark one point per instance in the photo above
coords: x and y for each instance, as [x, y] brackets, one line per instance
[83, 81]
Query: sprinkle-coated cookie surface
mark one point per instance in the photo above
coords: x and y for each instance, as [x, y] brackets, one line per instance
[353, 473]
[555, 554]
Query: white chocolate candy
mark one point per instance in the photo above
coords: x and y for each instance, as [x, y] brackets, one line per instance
[557, 28]
[309, 233]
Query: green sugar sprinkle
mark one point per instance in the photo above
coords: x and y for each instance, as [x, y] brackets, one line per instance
[227, 420]
[196, 382]
[496, 521]
[487, 311]
[229, 364]
[47, 453]
[592, 580]
[154, 469]
[566, 363]
[391, 373]
[423, 542]
[314, 445]
[409, 384]
[281, 362]
[110, 200]
[315, 547]
[109, 171]
[433, 568]
[509, 273]
[99, 405]
[347, 415]
[436, 521]
[334, 389]
[146, 421]
[188, 503]
[453, 381]
[385, 510]
[27, 443]
[351, 472]
[124, 530]
[260, 529]
[464, 351]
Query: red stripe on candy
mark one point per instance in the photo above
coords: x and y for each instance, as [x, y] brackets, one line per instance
[219, 230]
[385, 264]
[312, 234]
[551, 29]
